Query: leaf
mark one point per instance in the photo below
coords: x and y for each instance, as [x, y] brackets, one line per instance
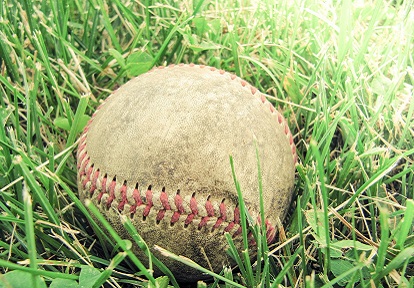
[63, 123]
[202, 25]
[88, 276]
[118, 57]
[161, 282]
[67, 283]
[334, 252]
[138, 63]
[351, 244]
[203, 46]
[406, 224]
[21, 279]
[314, 219]
[339, 267]
[195, 45]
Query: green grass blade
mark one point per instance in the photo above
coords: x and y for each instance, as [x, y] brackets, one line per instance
[399, 260]
[324, 194]
[29, 227]
[382, 249]
[37, 191]
[121, 242]
[44, 273]
[80, 112]
[144, 247]
[286, 267]
[194, 265]
[118, 258]
[406, 224]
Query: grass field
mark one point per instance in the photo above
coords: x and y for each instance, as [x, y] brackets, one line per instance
[341, 72]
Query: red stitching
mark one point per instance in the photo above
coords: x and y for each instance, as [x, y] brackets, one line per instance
[166, 206]
[137, 198]
[94, 179]
[253, 90]
[178, 201]
[88, 175]
[111, 193]
[194, 211]
[236, 220]
[148, 196]
[124, 199]
[103, 189]
[222, 218]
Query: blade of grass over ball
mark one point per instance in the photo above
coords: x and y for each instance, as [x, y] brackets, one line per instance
[234, 253]
[261, 241]
[137, 238]
[242, 207]
[194, 265]
[261, 202]
[119, 240]
[144, 247]
[245, 228]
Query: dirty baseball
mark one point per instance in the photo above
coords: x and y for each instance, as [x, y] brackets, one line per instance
[157, 151]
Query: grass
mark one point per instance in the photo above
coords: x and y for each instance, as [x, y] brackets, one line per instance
[341, 72]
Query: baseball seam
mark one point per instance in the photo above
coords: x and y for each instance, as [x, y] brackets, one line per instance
[110, 190]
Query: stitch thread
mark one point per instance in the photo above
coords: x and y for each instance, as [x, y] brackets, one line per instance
[92, 181]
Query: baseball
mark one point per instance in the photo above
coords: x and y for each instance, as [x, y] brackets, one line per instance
[157, 150]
